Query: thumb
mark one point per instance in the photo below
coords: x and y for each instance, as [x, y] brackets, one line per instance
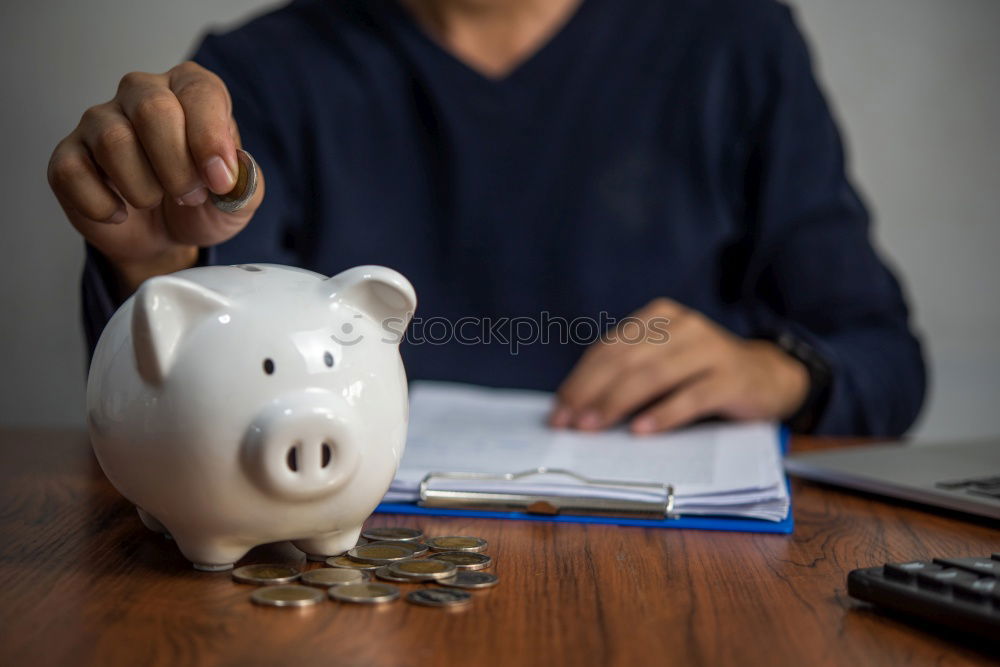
[220, 217]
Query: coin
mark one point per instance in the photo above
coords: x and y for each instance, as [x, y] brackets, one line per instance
[361, 541]
[465, 560]
[265, 573]
[291, 595]
[438, 597]
[245, 188]
[423, 570]
[348, 562]
[325, 577]
[415, 548]
[383, 572]
[457, 543]
[380, 554]
[466, 579]
[395, 533]
[365, 593]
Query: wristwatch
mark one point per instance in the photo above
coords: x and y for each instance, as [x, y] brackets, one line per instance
[808, 414]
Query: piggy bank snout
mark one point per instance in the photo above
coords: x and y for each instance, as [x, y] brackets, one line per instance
[300, 448]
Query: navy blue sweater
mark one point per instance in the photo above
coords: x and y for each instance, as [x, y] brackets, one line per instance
[652, 148]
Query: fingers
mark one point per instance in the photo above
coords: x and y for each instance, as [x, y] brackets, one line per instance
[630, 346]
[616, 378]
[638, 388]
[157, 117]
[163, 135]
[704, 370]
[207, 225]
[597, 370]
[114, 146]
[79, 186]
[695, 400]
[208, 124]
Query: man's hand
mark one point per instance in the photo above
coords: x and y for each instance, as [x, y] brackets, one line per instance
[697, 370]
[134, 176]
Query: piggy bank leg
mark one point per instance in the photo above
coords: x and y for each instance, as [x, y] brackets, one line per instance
[151, 521]
[211, 554]
[329, 544]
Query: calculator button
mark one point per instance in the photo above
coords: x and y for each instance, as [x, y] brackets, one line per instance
[979, 589]
[942, 580]
[907, 571]
[951, 593]
[978, 565]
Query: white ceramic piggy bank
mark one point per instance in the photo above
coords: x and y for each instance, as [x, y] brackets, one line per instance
[238, 405]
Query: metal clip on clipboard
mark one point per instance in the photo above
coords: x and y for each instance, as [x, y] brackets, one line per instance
[546, 504]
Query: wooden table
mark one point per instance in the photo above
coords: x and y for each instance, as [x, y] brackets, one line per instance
[82, 582]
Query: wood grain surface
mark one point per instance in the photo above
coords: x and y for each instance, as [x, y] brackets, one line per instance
[83, 582]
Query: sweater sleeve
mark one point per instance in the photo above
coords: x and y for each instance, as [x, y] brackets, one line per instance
[817, 274]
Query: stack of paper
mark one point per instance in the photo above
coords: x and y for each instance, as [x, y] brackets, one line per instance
[716, 469]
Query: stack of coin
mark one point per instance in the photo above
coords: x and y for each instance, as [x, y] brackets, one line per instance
[365, 593]
[327, 577]
[392, 533]
[391, 553]
[466, 579]
[427, 569]
[465, 560]
[263, 574]
[439, 597]
[457, 543]
[291, 595]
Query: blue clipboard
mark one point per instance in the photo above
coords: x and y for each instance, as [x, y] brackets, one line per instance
[784, 527]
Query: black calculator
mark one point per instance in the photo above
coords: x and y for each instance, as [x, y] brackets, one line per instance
[958, 593]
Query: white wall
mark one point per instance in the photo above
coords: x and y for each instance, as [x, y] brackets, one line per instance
[915, 82]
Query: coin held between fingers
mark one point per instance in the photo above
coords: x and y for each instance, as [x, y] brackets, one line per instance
[245, 188]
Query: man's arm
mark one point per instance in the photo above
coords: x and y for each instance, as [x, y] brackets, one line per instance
[832, 351]
[814, 270]
[105, 284]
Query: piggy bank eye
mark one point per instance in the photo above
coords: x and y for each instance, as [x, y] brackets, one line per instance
[268, 366]
[328, 359]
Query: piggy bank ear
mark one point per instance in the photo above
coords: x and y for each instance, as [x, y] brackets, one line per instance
[380, 292]
[164, 309]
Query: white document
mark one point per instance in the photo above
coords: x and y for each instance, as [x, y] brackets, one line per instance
[715, 469]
